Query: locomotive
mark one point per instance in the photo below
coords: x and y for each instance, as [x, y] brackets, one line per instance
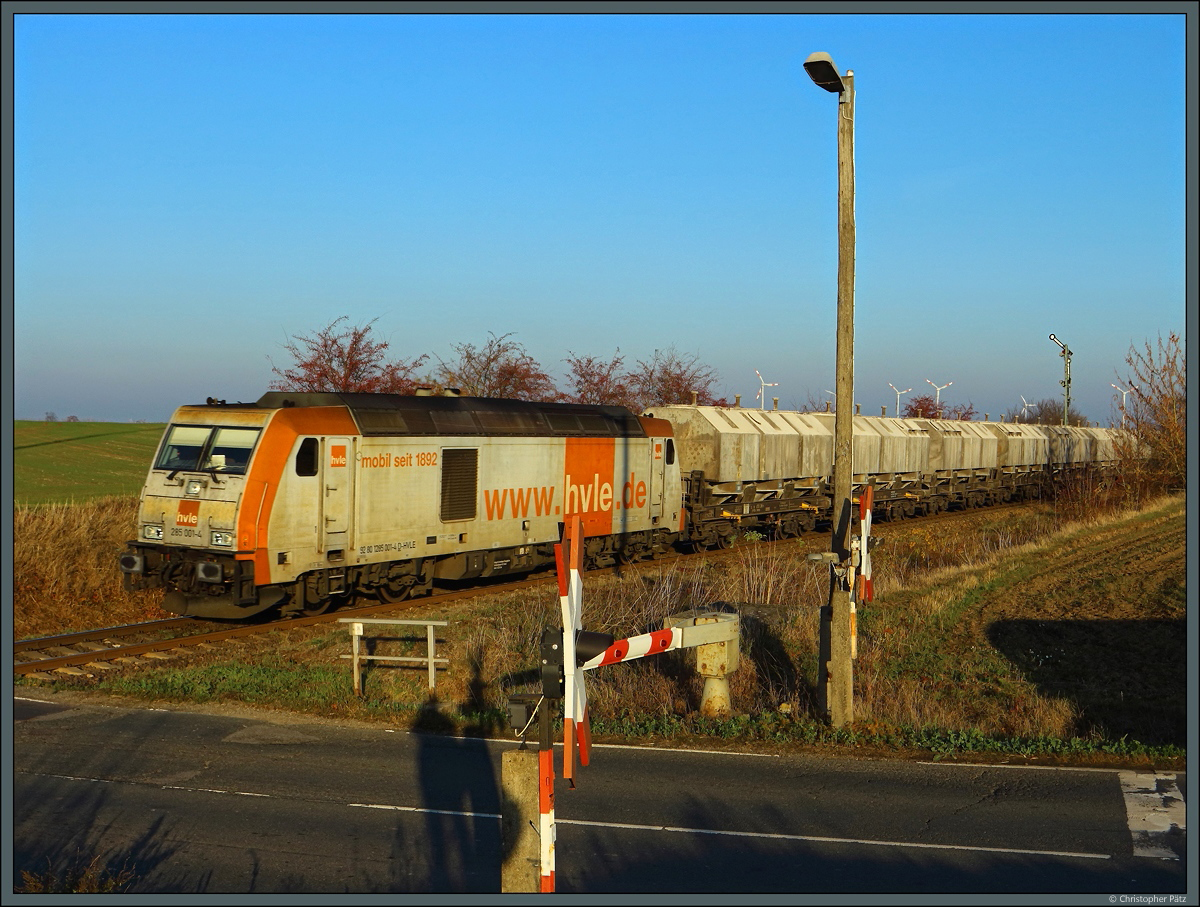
[300, 500]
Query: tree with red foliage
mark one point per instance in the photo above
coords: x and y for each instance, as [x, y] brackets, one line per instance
[669, 377]
[921, 406]
[343, 359]
[500, 368]
[925, 406]
[594, 380]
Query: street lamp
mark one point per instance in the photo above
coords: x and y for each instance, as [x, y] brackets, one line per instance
[898, 393]
[1065, 352]
[937, 402]
[836, 688]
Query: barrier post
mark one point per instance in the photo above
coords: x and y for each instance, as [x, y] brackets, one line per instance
[356, 632]
[546, 796]
[715, 661]
[520, 868]
[430, 647]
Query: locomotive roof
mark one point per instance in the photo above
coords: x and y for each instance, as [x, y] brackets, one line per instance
[399, 414]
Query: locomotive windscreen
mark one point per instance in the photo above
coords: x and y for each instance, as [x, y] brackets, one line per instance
[196, 448]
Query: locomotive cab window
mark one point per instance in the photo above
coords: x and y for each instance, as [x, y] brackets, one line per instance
[230, 449]
[670, 451]
[183, 447]
[460, 479]
[306, 458]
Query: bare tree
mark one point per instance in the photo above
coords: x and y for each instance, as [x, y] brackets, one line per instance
[1156, 411]
[500, 368]
[1045, 412]
[343, 359]
[962, 412]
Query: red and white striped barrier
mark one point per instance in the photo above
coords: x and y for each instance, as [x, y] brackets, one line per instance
[866, 501]
[577, 733]
[568, 557]
[546, 827]
[638, 647]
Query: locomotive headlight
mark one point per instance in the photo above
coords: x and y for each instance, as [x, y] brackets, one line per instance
[221, 538]
[150, 531]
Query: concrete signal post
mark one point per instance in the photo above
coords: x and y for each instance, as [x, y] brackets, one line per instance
[1065, 352]
[836, 683]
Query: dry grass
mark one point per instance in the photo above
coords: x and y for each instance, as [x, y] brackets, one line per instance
[960, 606]
[65, 574]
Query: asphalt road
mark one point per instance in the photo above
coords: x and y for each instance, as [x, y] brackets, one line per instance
[249, 802]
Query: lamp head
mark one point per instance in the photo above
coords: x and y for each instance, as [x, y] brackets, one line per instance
[822, 70]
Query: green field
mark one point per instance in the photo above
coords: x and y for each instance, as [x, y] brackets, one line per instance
[56, 462]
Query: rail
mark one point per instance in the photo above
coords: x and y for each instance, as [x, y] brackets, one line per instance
[357, 656]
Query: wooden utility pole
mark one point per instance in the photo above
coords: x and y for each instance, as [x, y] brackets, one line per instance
[836, 684]
[841, 665]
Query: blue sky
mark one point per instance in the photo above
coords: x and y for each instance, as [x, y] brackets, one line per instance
[190, 191]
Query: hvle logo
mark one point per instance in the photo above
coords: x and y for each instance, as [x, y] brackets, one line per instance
[188, 514]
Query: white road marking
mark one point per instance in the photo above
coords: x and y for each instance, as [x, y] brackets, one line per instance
[1155, 809]
[825, 840]
[813, 839]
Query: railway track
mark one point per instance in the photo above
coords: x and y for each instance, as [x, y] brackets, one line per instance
[90, 653]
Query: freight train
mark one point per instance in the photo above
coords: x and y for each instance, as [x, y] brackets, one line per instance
[298, 501]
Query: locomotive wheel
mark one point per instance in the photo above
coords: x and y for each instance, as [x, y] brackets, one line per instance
[628, 554]
[317, 608]
[391, 592]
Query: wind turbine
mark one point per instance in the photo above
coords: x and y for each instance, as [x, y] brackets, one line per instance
[898, 393]
[1025, 404]
[762, 391]
[1124, 394]
[937, 403]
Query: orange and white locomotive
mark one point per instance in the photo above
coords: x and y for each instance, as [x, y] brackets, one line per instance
[300, 499]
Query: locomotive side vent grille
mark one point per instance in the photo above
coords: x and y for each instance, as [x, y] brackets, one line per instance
[460, 474]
